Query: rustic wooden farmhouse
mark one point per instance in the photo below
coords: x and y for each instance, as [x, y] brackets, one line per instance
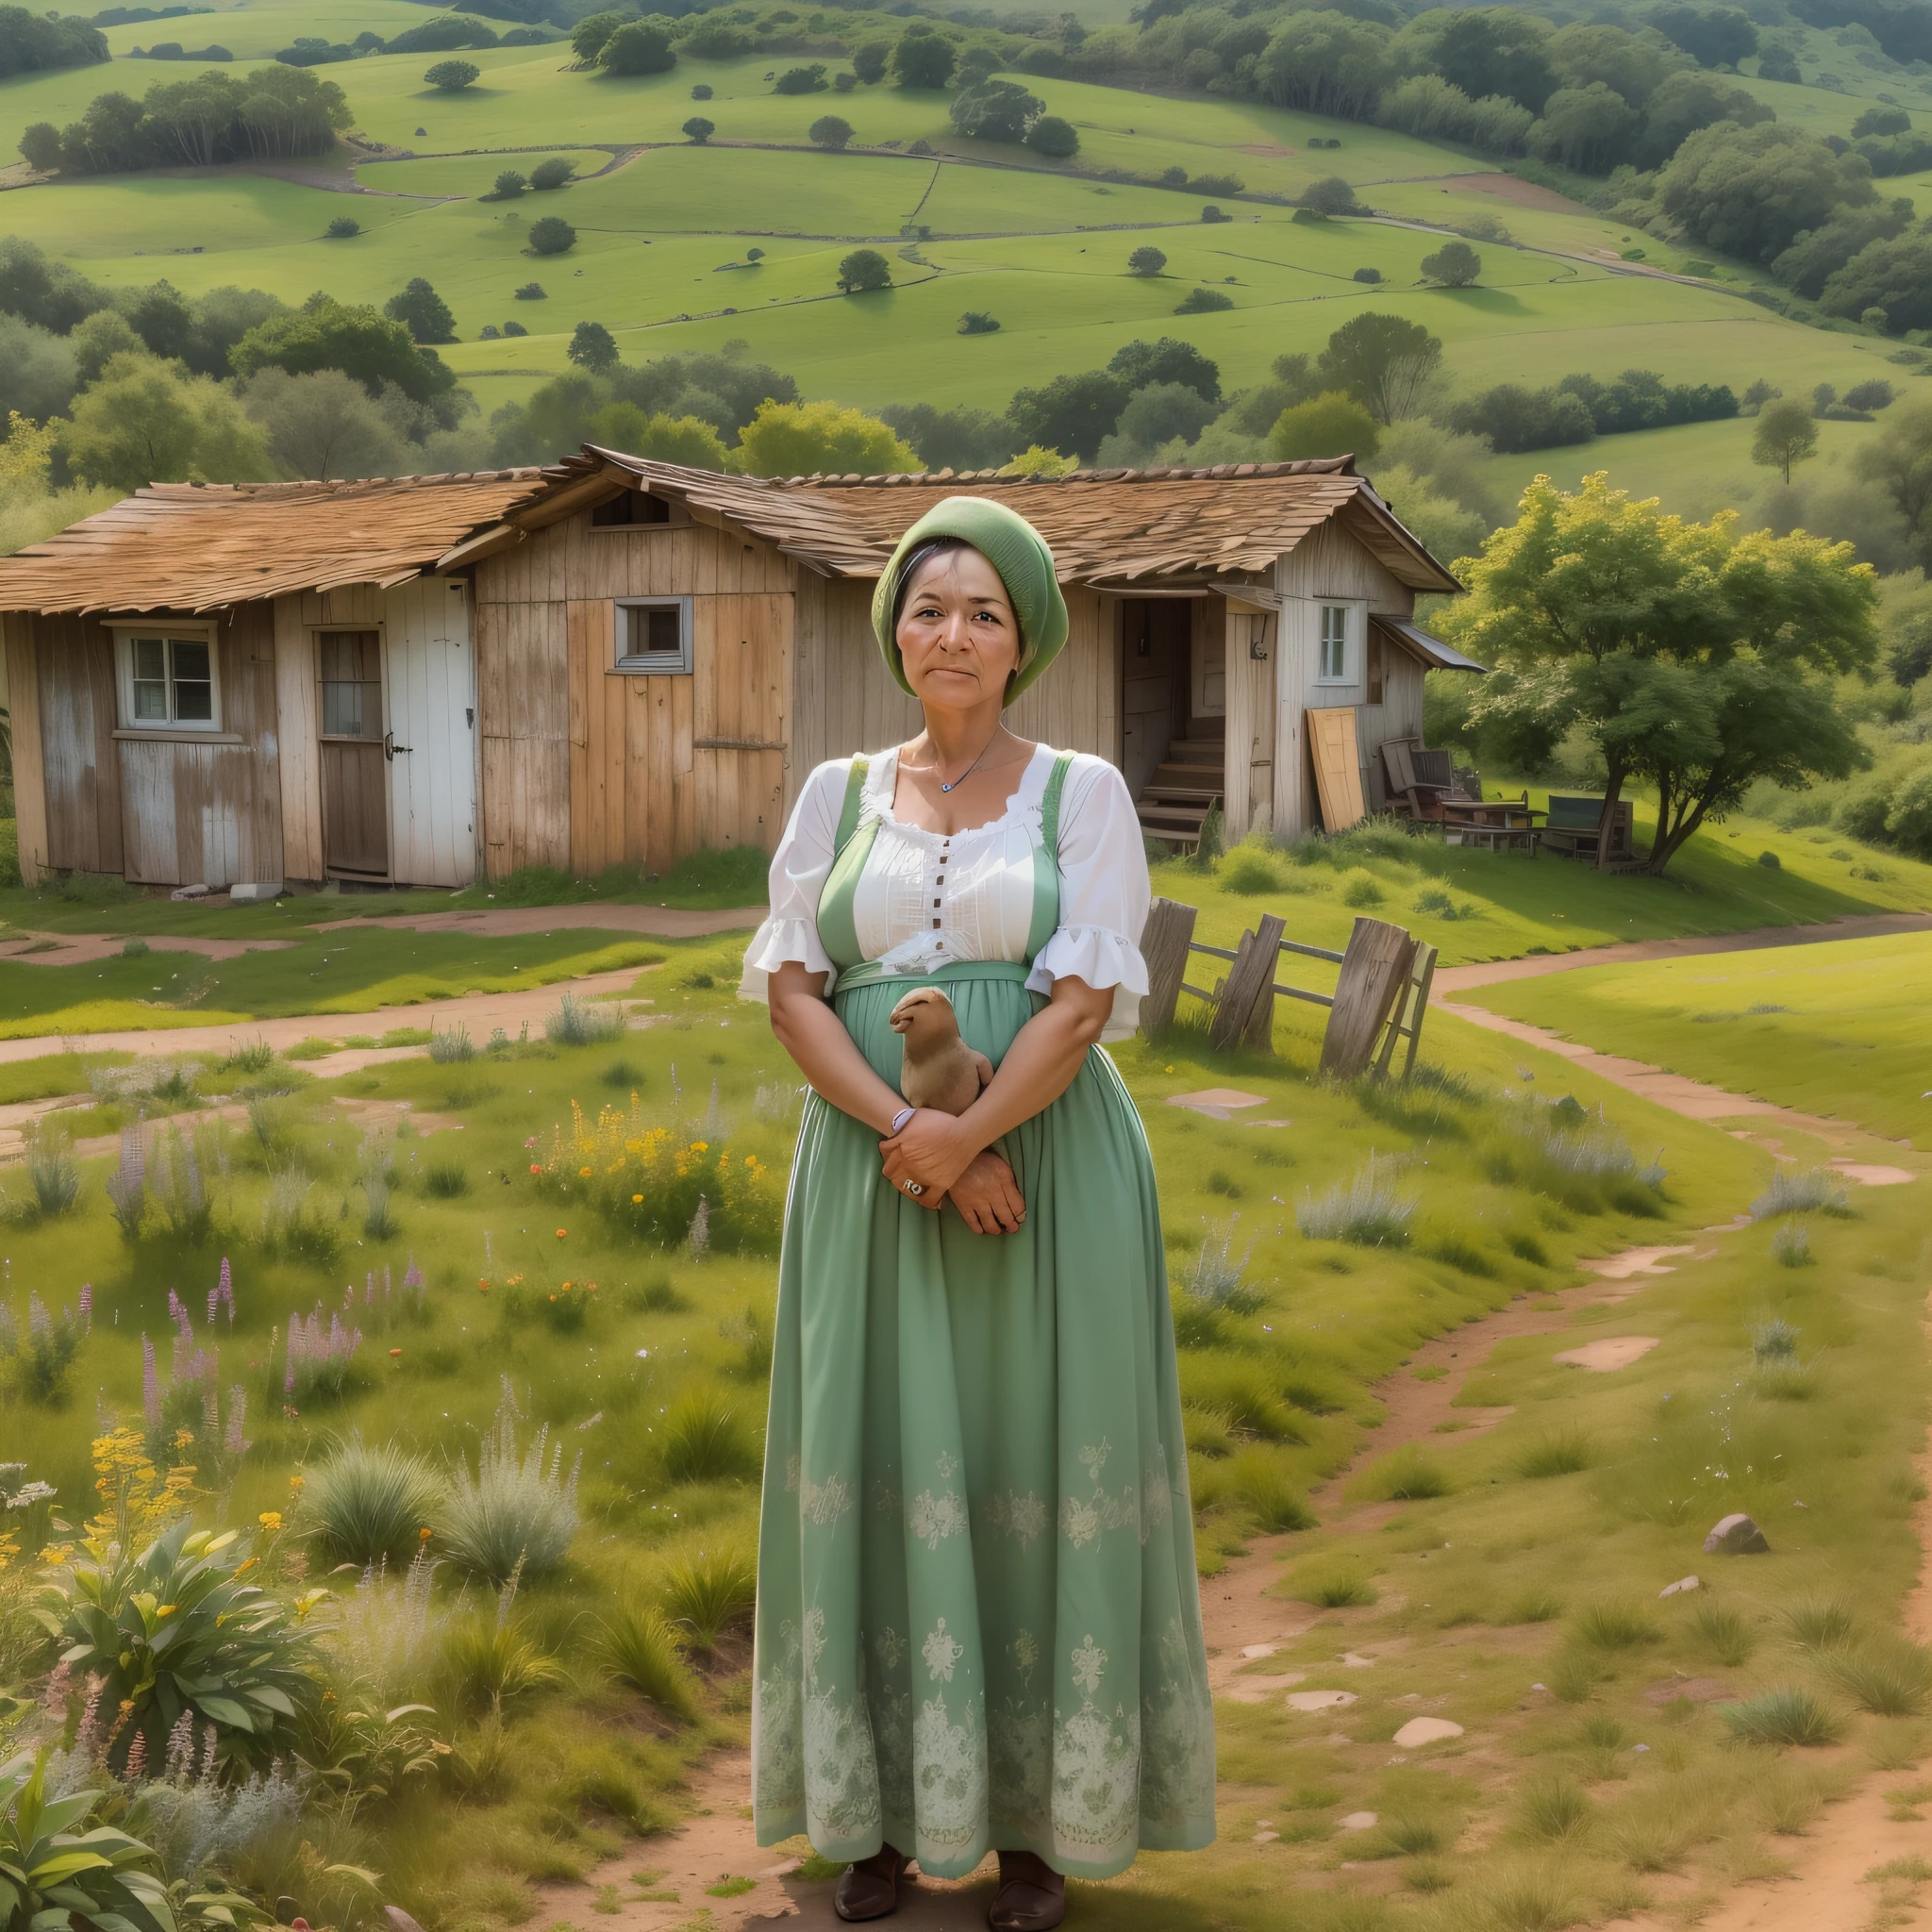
[610, 660]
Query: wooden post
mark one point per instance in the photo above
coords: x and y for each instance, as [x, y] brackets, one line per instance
[1164, 947]
[1260, 1028]
[1406, 1021]
[1374, 971]
[1250, 982]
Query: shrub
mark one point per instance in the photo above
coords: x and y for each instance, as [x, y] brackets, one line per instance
[802, 80]
[547, 176]
[371, 1502]
[508, 185]
[342, 229]
[489, 1661]
[1562, 1453]
[1203, 302]
[451, 1044]
[1774, 1342]
[976, 321]
[551, 235]
[444, 1180]
[831, 132]
[228, 1652]
[1368, 274]
[1055, 137]
[1822, 1622]
[703, 1440]
[698, 130]
[1785, 1716]
[702, 92]
[1790, 1247]
[452, 76]
[1217, 1277]
[1264, 1490]
[1455, 265]
[1815, 1191]
[530, 291]
[514, 1515]
[319, 1362]
[639, 47]
[376, 1178]
[1250, 872]
[584, 1023]
[1369, 1211]
[1146, 260]
[709, 1592]
[640, 1648]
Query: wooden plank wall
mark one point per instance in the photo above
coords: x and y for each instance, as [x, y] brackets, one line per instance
[847, 701]
[1249, 802]
[74, 658]
[29, 782]
[523, 705]
[295, 739]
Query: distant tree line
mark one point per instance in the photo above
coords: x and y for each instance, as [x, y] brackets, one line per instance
[447, 33]
[33, 43]
[1580, 409]
[271, 113]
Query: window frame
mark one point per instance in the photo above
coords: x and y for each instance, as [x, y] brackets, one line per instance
[317, 632]
[1346, 673]
[653, 663]
[169, 634]
[672, 518]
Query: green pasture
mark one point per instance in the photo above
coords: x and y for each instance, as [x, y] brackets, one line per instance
[256, 29]
[1842, 1028]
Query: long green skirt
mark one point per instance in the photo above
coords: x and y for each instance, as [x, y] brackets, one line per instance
[978, 1623]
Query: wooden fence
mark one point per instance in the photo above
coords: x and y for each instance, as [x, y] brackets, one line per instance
[1380, 994]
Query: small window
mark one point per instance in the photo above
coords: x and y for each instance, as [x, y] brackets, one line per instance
[350, 662]
[1334, 643]
[654, 634]
[168, 681]
[629, 509]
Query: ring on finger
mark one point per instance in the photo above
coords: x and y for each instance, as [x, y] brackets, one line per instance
[912, 1188]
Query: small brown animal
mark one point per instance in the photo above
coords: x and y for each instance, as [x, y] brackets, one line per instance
[941, 1071]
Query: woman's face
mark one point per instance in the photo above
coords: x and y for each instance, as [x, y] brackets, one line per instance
[957, 636]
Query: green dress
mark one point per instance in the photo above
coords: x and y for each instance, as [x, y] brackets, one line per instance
[978, 1620]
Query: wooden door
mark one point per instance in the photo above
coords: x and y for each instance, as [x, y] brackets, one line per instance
[354, 791]
[432, 734]
[1153, 647]
[1338, 766]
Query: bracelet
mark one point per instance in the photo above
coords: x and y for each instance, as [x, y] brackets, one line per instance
[899, 1120]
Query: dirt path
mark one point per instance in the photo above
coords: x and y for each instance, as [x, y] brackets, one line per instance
[658, 921]
[30, 948]
[1864, 925]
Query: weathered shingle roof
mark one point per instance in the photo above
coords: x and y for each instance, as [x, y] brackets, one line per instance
[186, 546]
[194, 546]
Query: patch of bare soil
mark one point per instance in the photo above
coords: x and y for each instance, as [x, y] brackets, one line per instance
[1510, 187]
[90, 948]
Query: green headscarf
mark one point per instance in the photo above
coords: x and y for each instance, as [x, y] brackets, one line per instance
[1016, 550]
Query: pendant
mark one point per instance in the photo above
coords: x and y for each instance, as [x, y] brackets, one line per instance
[948, 788]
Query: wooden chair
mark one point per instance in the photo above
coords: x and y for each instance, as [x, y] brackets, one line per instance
[1575, 826]
[1408, 790]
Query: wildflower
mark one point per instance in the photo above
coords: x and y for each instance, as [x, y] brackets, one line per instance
[394, 1352]
[535, 1169]
[561, 1232]
[271, 1520]
[167, 1609]
[424, 1534]
[583, 1174]
[295, 1482]
[637, 1200]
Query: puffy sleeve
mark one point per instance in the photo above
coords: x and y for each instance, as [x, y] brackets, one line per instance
[799, 869]
[1105, 894]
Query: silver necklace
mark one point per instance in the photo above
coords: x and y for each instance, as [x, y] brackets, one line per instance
[970, 769]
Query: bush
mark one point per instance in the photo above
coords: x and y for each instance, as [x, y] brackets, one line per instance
[1612, 1626]
[639, 47]
[64, 1866]
[1368, 274]
[702, 92]
[1722, 1632]
[342, 227]
[1886, 1676]
[451, 1045]
[452, 76]
[530, 291]
[1261, 1486]
[1562, 1454]
[1250, 872]
[709, 1592]
[702, 1440]
[976, 321]
[551, 235]
[1455, 265]
[1338, 1584]
[1821, 1623]
[51, 1172]
[368, 1503]
[514, 1515]
[697, 130]
[1147, 260]
[1055, 137]
[1815, 1191]
[1369, 1211]
[1407, 1475]
[1203, 302]
[639, 1649]
[547, 176]
[585, 1023]
[831, 132]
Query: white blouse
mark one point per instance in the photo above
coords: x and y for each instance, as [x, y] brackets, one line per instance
[927, 897]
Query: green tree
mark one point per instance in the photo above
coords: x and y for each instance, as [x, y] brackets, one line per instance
[807, 438]
[1168, 359]
[1146, 260]
[1331, 195]
[1893, 274]
[551, 235]
[1786, 435]
[831, 132]
[1070, 412]
[922, 58]
[869, 62]
[327, 334]
[1326, 63]
[671, 439]
[1686, 102]
[1899, 460]
[1750, 191]
[1055, 137]
[547, 176]
[1329, 425]
[592, 347]
[1593, 53]
[802, 80]
[452, 76]
[322, 426]
[863, 270]
[1383, 361]
[41, 147]
[698, 130]
[639, 47]
[1712, 36]
[508, 185]
[1483, 50]
[422, 311]
[147, 421]
[1685, 653]
[591, 34]
[1455, 265]
[995, 110]
[106, 333]
[1590, 129]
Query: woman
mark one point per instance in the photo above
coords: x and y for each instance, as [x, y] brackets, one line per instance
[979, 1624]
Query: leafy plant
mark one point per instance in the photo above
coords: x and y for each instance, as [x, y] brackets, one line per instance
[176, 1183]
[177, 1629]
[376, 1175]
[1218, 1277]
[639, 1647]
[51, 1172]
[515, 1514]
[701, 1440]
[369, 1501]
[1774, 1342]
[52, 1873]
[1790, 1247]
[366, 1754]
[1787, 1715]
[710, 1591]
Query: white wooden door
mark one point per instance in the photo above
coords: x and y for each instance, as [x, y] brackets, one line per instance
[431, 746]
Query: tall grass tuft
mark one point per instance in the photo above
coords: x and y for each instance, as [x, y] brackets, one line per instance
[51, 1172]
[1608, 1625]
[1774, 1342]
[1552, 1810]
[1370, 1211]
[1822, 1622]
[1562, 1453]
[487, 1660]
[248, 1057]
[1527, 1902]
[450, 1045]
[515, 1514]
[709, 1592]
[369, 1501]
[702, 1440]
[1787, 1715]
[175, 1184]
[640, 1648]
[1815, 1191]
[1888, 1675]
[376, 1175]
[1407, 1475]
[444, 1180]
[1338, 1585]
[584, 1023]
[1724, 1633]
[1267, 1494]
[1790, 1247]
[1218, 1277]
[1415, 1837]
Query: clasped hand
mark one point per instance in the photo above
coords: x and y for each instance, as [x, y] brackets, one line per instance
[935, 1151]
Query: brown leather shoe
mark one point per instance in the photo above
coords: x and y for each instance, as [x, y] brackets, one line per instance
[1032, 1895]
[870, 1889]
